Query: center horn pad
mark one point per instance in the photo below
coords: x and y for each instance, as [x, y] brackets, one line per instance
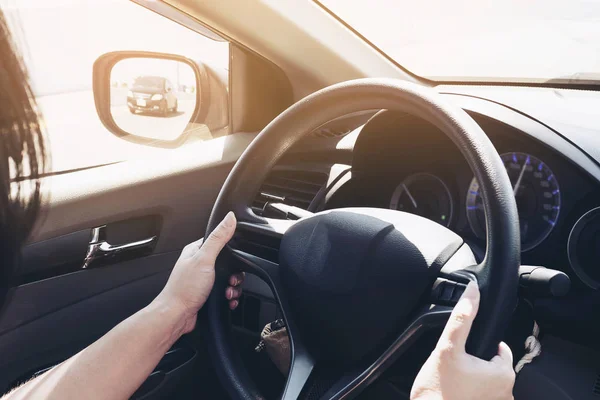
[353, 276]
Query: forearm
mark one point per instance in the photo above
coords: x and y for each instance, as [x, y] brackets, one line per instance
[114, 366]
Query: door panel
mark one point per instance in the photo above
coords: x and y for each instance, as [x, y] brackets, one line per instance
[53, 337]
[175, 365]
[47, 256]
[48, 320]
[35, 300]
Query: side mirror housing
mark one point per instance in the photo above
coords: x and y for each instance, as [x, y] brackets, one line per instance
[132, 103]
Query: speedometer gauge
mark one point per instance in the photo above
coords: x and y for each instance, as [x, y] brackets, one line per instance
[537, 195]
[425, 195]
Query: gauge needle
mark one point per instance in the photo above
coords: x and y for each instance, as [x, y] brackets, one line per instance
[516, 188]
[412, 199]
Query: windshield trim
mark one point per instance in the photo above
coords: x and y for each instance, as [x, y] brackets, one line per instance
[558, 83]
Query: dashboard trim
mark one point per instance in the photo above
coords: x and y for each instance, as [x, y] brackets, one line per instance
[572, 248]
[529, 126]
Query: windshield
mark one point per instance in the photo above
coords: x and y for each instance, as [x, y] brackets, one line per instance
[149, 82]
[487, 40]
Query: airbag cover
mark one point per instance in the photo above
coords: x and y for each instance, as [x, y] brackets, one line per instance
[354, 275]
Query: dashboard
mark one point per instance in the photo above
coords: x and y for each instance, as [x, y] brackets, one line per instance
[404, 163]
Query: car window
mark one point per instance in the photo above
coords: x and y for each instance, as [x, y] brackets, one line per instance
[149, 82]
[61, 39]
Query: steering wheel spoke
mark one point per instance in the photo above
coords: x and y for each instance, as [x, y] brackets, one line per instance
[301, 367]
[356, 380]
[302, 363]
[261, 267]
[444, 294]
[274, 228]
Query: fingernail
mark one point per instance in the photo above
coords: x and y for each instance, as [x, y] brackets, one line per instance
[229, 219]
[229, 293]
[233, 304]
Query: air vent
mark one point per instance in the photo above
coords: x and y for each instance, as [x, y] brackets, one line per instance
[295, 188]
[596, 389]
[342, 126]
[328, 133]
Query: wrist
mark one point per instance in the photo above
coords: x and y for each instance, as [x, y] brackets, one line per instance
[172, 316]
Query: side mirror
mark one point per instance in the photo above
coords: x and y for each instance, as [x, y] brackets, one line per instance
[131, 101]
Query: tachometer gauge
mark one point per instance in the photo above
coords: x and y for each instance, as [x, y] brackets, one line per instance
[537, 194]
[425, 195]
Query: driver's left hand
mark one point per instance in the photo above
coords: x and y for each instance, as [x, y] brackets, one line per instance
[450, 373]
[193, 276]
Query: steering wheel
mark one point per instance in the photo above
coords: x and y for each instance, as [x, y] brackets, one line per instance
[358, 286]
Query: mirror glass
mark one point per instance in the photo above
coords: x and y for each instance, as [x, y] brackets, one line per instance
[153, 98]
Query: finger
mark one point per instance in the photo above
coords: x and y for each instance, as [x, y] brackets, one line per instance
[218, 238]
[232, 293]
[236, 279]
[237, 293]
[233, 304]
[504, 355]
[457, 329]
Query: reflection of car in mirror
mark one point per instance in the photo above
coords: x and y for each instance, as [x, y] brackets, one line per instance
[152, 94]
[190, 96]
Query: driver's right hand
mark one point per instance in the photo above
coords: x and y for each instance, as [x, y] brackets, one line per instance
[451, 374]
[193, 276]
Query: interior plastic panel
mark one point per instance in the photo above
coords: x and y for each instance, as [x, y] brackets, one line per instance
[31, 301]
[576, 151]
[571, 114]
[65, 318]
[55, 252]
[174, 366]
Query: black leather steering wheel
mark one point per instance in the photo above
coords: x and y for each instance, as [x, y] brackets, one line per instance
[358, 286]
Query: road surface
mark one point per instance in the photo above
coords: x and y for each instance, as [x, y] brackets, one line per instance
[155, 126]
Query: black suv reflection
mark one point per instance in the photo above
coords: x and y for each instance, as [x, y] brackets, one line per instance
[152, 94]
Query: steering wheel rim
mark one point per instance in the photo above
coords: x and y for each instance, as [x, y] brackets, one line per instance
[497, 275]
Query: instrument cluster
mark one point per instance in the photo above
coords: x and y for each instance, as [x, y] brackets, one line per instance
[535, 187]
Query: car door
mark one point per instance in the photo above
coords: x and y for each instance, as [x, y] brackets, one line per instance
[141, 197]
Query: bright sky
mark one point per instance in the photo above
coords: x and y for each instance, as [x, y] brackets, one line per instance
[545, 39]
[61, 39]
[177, 72]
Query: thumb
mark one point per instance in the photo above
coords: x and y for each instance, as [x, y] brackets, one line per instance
[457, 329]
[218, 238]
[504, 355]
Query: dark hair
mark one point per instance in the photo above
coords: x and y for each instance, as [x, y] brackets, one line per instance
[22, 157]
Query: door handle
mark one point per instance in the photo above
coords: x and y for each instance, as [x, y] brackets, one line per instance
[99, 248]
